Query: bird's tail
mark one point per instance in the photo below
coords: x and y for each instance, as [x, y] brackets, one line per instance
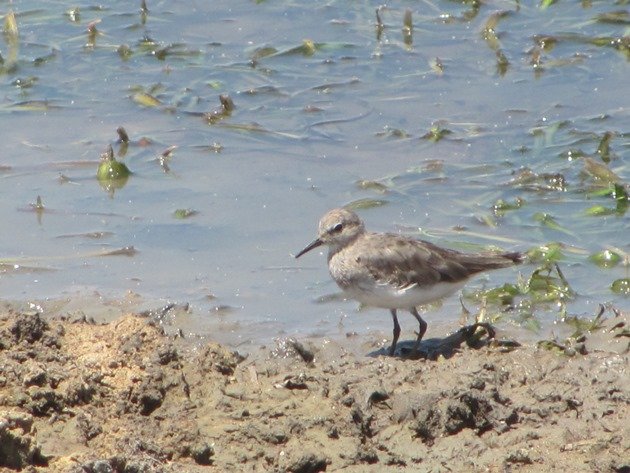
[485, 261]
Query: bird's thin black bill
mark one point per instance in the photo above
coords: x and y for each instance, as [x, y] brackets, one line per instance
[315, 244]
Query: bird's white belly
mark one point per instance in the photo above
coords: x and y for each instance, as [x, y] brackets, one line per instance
[389, 297]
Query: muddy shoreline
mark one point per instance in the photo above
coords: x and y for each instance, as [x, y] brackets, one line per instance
[77, 396]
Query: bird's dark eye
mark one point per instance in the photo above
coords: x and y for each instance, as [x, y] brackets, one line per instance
[337, 228]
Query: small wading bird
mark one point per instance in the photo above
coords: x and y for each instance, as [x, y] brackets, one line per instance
[393, 271]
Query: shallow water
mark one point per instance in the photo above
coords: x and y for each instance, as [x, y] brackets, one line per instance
[309, 123]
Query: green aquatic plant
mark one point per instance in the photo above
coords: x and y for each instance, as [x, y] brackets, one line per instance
[621, 286]
[605, 258]
[436, 133]
[111, 169]
[548, 253]
[362, 204]
[182, 214]
[501, 207]
[407, 30]
[111, 173]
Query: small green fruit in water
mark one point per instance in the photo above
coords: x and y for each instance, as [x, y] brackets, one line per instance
[110, 169]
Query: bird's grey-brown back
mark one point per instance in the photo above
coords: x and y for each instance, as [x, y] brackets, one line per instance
[402, 261]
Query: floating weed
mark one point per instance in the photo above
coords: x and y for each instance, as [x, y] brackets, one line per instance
[41, 60]
[544, 4]
[164, 158]
[583, 328]
[225, 110]
[503, 63]
[15, 268]
[600, 172]
[545, 42]
[10, 28]
[502, 295]
[74, 15]
[31, 106]
[489, 32]
[572, 154]
[92, 34]
[38, 206]
[146, 100]
[372, 185]
[603, 150]
[546, 288]
[622, 203]
[605, 258]
[621, 286]
[124, 251]
[25, 82]
[549, 253]
[619, 17]
[89, 235]
[583, 325]
[598, 211]
[213, 147]
[541, 287]
[550, 222]
[326, 88]
[173, 50]
[568, 347]
[262, 52]
[362, 204]
[184, 213]
[501, 207]
[123, 137]
[528, 179]
[620, 43]
[407, 30]
[436, 133]
[545, 134]
[436, 65]
[389, 132]
[307, 48]
[124, 51]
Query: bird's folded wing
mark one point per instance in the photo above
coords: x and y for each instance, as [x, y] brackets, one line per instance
[402, 262]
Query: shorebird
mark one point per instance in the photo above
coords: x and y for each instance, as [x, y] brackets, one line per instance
[393, 271]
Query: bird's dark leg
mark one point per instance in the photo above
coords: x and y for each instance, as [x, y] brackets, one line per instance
[423, 327]
[392, 349]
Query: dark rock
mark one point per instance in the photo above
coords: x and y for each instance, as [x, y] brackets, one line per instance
[363, 422]
[28, 327]
[150, 399]
[309, 463]
[35, 377]
[166, 354]
[202, 453]
[213, 357]
[82, 391]
[428, 425]
[18, 450]
[42, 402]
[470, 411]
[377, 396]
[304, 353]
[87, 427]
[366, 455]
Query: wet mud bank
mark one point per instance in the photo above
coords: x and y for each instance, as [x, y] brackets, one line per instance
[77, 396]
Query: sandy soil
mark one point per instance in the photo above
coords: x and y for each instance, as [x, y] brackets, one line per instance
[76, 396]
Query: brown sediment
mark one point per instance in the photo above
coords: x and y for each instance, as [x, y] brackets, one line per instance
[80, 396]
